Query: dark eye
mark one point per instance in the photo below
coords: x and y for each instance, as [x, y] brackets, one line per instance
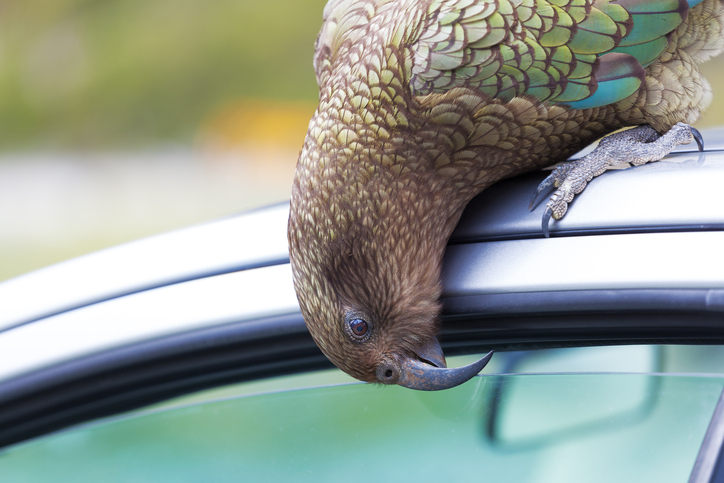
[358, 327]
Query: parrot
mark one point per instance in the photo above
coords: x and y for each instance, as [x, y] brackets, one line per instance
[425, 103]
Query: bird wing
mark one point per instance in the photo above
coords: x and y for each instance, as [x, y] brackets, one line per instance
[582, 53]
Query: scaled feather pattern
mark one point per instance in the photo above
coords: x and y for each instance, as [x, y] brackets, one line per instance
[425, 103]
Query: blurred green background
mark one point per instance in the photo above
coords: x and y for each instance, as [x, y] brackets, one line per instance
[116, 74]
[124, 118]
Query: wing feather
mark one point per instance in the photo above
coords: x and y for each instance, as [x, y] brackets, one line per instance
[584, 53]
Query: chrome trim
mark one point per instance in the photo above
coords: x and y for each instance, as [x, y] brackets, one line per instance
[207, 302]
[256, 238]
[637, 261]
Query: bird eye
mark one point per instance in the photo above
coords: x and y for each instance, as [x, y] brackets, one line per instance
[357, 327]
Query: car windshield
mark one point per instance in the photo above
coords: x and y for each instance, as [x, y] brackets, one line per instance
[512, 427]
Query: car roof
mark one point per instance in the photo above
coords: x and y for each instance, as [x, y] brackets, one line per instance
[625, 215]
[680, 193]
[638, 254]
[236, 243]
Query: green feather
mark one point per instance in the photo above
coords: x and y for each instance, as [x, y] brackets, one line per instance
[618, 14]
[574, 92]
[505, 7]
[487, 71]
[498, 32]
[562, 59]
[647, 52]
[479, 11]
[562, 30]
[598, 33]
[608, 93]
[490, 86]
[578, 10]
[556, 36]
[650, 27]
[450, 17]
[647, 6]
[584, 66]
[534, 23]
[545, 11]
[652, 19]
[618, 76]
[539, 53]
[540, 83]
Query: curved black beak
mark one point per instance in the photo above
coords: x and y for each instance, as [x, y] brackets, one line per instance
[428, 373]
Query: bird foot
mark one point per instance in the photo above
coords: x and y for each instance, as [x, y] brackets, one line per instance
[635, 146]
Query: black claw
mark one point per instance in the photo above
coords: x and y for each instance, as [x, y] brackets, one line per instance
[545, 185]
[698, 138]
[546, 218]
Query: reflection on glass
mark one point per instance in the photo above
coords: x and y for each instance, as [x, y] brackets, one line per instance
[586, 427]
[524, 410]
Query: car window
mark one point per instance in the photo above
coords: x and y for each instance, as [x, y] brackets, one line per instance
[520, 427]
[629, 358]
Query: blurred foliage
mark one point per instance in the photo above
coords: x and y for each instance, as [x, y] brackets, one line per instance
[103, 74]
[119, 73]
[124, 118]
[257, 123]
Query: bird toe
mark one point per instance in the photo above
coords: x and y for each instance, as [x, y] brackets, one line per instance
[636, 146]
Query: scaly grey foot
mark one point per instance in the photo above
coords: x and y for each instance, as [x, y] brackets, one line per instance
[635, 146]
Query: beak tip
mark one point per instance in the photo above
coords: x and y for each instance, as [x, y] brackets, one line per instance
[426, 377]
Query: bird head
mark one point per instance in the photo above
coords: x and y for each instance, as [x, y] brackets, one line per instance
[369, 292]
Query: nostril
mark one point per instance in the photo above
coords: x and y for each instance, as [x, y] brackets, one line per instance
[388, 373]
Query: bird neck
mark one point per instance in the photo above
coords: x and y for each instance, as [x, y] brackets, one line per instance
[370, 214]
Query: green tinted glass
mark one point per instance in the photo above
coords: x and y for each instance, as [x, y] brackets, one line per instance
[523, 428]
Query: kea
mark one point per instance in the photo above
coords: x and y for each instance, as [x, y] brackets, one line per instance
[425, 103]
